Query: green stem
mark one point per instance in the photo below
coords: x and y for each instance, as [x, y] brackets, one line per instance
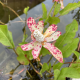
[33, 67]
[29, 73]
[53, 65]
[50, 59]
[15, 51]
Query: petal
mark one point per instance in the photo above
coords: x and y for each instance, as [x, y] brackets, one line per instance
[53, 37]
[31, 24]
[32, 37]
[40, 26]
[28, 46]
[54, 51]
[36, 50]
[62, 6]
[51, 29]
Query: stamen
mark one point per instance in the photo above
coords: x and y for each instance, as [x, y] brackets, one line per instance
[38, 36]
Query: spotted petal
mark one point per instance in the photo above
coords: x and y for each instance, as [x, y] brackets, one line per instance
[40, 26]
[53, 37]
[28, 46]
[51, 29]
[36, 50]
[54, 51]
[31, 24]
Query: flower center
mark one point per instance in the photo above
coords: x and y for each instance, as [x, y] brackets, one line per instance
[39, 37]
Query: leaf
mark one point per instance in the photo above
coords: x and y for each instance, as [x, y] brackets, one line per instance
[53, 20]
[21, 56]
[22, 43]
[24, 37]
[68, 72]
[6, 36]
[77, 54]
[69, 7]
[40, 19]
[23, 60]
[26, 10]
[44, 68]
[57, 9]
[57, 66]
[56, 74]
[21, 53]
[66, 42]
[68, 49]
[44, 51]
[44, 16]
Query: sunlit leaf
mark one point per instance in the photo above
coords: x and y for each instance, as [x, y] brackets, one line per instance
[56, 74]
[44, 51]
[66, 42]
[26, 10]
[44, 68]
[68, 49]
[53, 20]
[44, 16]
[69, 7]
[6, 36]
[68, 72]
[57, 9]
[57, 66]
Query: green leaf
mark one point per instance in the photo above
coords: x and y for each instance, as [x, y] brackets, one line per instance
[69, 7]
[77, 54]
[57, 9]
[26, 10]
[44, 68]
[6, 36]
[68, 49]
[53, 20]
[24, 37]
[22, 43]
[40, 19]
[68, 72]
[44, 51]
[57, 66]
[23, 60]
[66, 42]
[56, 74]
[44, 16]
[20, 52]
[21, 56]
[76, 65]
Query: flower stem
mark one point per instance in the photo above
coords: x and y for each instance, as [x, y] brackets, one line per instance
[33, 67]
[53, 65]
[29, 73]
[50, 59]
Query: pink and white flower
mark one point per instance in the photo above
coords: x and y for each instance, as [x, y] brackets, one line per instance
[42, 39]
[61, 2]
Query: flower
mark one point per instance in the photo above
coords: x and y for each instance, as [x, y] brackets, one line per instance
[40, 39]
[60, 1]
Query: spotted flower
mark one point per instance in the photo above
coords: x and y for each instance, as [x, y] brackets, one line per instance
[61, 2]
[39, 39]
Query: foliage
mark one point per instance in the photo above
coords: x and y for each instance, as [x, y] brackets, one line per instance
[67, 43]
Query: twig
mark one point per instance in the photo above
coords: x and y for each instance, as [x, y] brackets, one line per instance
[2, 23]
[11, 10]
